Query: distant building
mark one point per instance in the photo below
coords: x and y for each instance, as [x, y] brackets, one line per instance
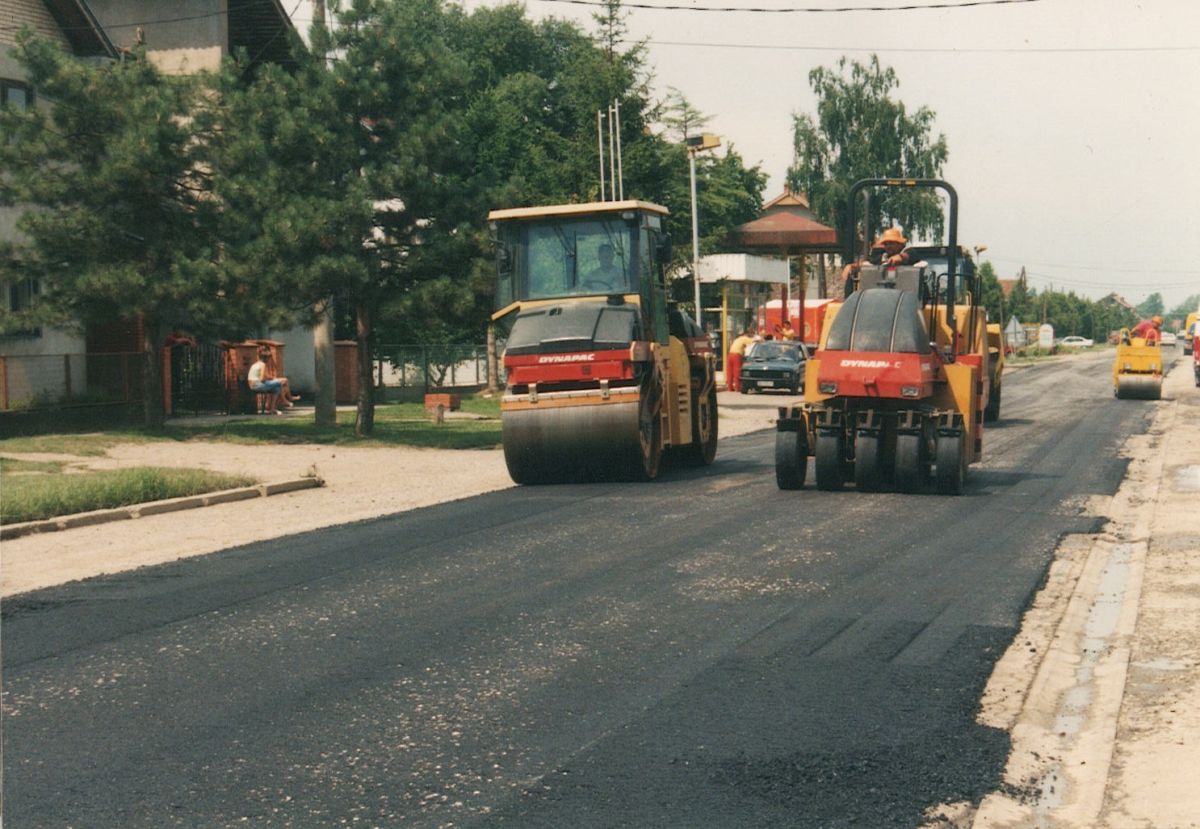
[1116, 299]
[179, 37]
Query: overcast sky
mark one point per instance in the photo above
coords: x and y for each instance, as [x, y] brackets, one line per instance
[1073, 125]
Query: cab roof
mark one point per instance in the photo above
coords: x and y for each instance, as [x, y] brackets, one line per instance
[576, 209]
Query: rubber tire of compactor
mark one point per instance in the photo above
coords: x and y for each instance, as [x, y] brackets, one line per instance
[702, 451]
[791, 459]
[1139, 387]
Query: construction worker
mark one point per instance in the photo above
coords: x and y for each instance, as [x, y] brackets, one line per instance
[1196, 351]
[1149, 330]
[733, 361]
[889, 249]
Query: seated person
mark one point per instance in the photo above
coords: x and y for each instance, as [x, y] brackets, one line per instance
[1149, 329]
[261, 381]
[606, 278]
[888, 250]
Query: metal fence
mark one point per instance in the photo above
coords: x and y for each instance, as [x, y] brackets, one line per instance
[55, 381]
[432, 367]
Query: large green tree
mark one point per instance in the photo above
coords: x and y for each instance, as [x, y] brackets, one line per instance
[1188, 306]
[861, 129]
[1151, 305]
[359, 190]
[118, 221]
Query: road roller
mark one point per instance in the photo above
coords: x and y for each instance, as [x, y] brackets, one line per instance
[1137, 368]
[603, 375]
[896, 394]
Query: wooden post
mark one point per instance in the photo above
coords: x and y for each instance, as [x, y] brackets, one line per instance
[168, 404]
[4, 384]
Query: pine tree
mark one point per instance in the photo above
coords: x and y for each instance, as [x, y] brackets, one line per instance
[118, 219]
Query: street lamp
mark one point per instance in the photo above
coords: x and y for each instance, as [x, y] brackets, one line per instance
[696, 143]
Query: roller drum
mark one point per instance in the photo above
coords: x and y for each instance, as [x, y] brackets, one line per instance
[1139, 387]
[552, 444]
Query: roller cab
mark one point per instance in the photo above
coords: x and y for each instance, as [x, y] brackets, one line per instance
[603, 375]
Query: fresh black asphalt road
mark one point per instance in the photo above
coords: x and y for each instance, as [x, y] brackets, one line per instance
[705, 650]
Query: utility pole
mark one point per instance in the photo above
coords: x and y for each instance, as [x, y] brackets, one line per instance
[696, 143]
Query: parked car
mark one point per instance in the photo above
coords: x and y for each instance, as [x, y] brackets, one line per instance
[775, 364]
[1076, 342]
[1168, 338]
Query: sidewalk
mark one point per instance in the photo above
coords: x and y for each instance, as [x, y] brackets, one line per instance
[1106, 730]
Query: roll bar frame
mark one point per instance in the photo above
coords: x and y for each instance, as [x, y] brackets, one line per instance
[952, 240]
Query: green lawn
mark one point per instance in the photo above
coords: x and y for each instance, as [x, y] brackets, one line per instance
[396, 424]
[36, 490]
[30, 490]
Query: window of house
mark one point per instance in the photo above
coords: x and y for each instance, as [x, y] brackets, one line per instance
[21, 297]
[15, 93]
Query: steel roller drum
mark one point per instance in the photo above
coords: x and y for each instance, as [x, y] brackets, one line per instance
[1139, 387]
[564, 443]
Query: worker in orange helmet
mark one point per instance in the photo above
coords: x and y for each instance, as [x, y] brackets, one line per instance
[888, 250]
[1148, 329]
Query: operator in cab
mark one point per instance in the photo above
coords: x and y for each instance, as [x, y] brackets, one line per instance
[607, 276]
[889, 249]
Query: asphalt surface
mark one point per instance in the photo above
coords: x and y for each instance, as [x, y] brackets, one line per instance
[702, 651]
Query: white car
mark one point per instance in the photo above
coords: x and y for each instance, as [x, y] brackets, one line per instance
[1168, 338]
[1076, 342]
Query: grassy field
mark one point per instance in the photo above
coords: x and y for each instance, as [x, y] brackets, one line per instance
[396, 424]
[34, 490]
[47, 488]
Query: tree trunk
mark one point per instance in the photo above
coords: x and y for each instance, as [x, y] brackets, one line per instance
[493, 363]
[152, 377]
[323, 365]
[364, 420]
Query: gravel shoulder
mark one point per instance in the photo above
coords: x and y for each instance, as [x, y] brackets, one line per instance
[359, 484]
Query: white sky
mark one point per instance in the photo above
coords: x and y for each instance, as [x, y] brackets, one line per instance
[1073, 125]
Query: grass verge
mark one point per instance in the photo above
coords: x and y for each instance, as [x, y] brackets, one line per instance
[396, 424]
[34, 494]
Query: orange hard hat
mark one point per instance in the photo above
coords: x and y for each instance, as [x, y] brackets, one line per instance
[1156, 319]
[892, 234]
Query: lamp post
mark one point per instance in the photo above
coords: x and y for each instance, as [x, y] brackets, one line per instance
[979, 249]
[696, 143]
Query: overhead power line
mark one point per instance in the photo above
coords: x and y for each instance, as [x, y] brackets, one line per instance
[913, 49]
[962, 4]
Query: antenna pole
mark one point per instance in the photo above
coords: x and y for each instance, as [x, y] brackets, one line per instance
[620, 173]
[612, 169]
[600, 147]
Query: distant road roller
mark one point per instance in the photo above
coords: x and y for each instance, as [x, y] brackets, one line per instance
[1137, 368]
[603, 374]
[895, 396]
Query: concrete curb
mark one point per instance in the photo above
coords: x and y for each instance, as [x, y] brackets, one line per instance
[104, 516]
